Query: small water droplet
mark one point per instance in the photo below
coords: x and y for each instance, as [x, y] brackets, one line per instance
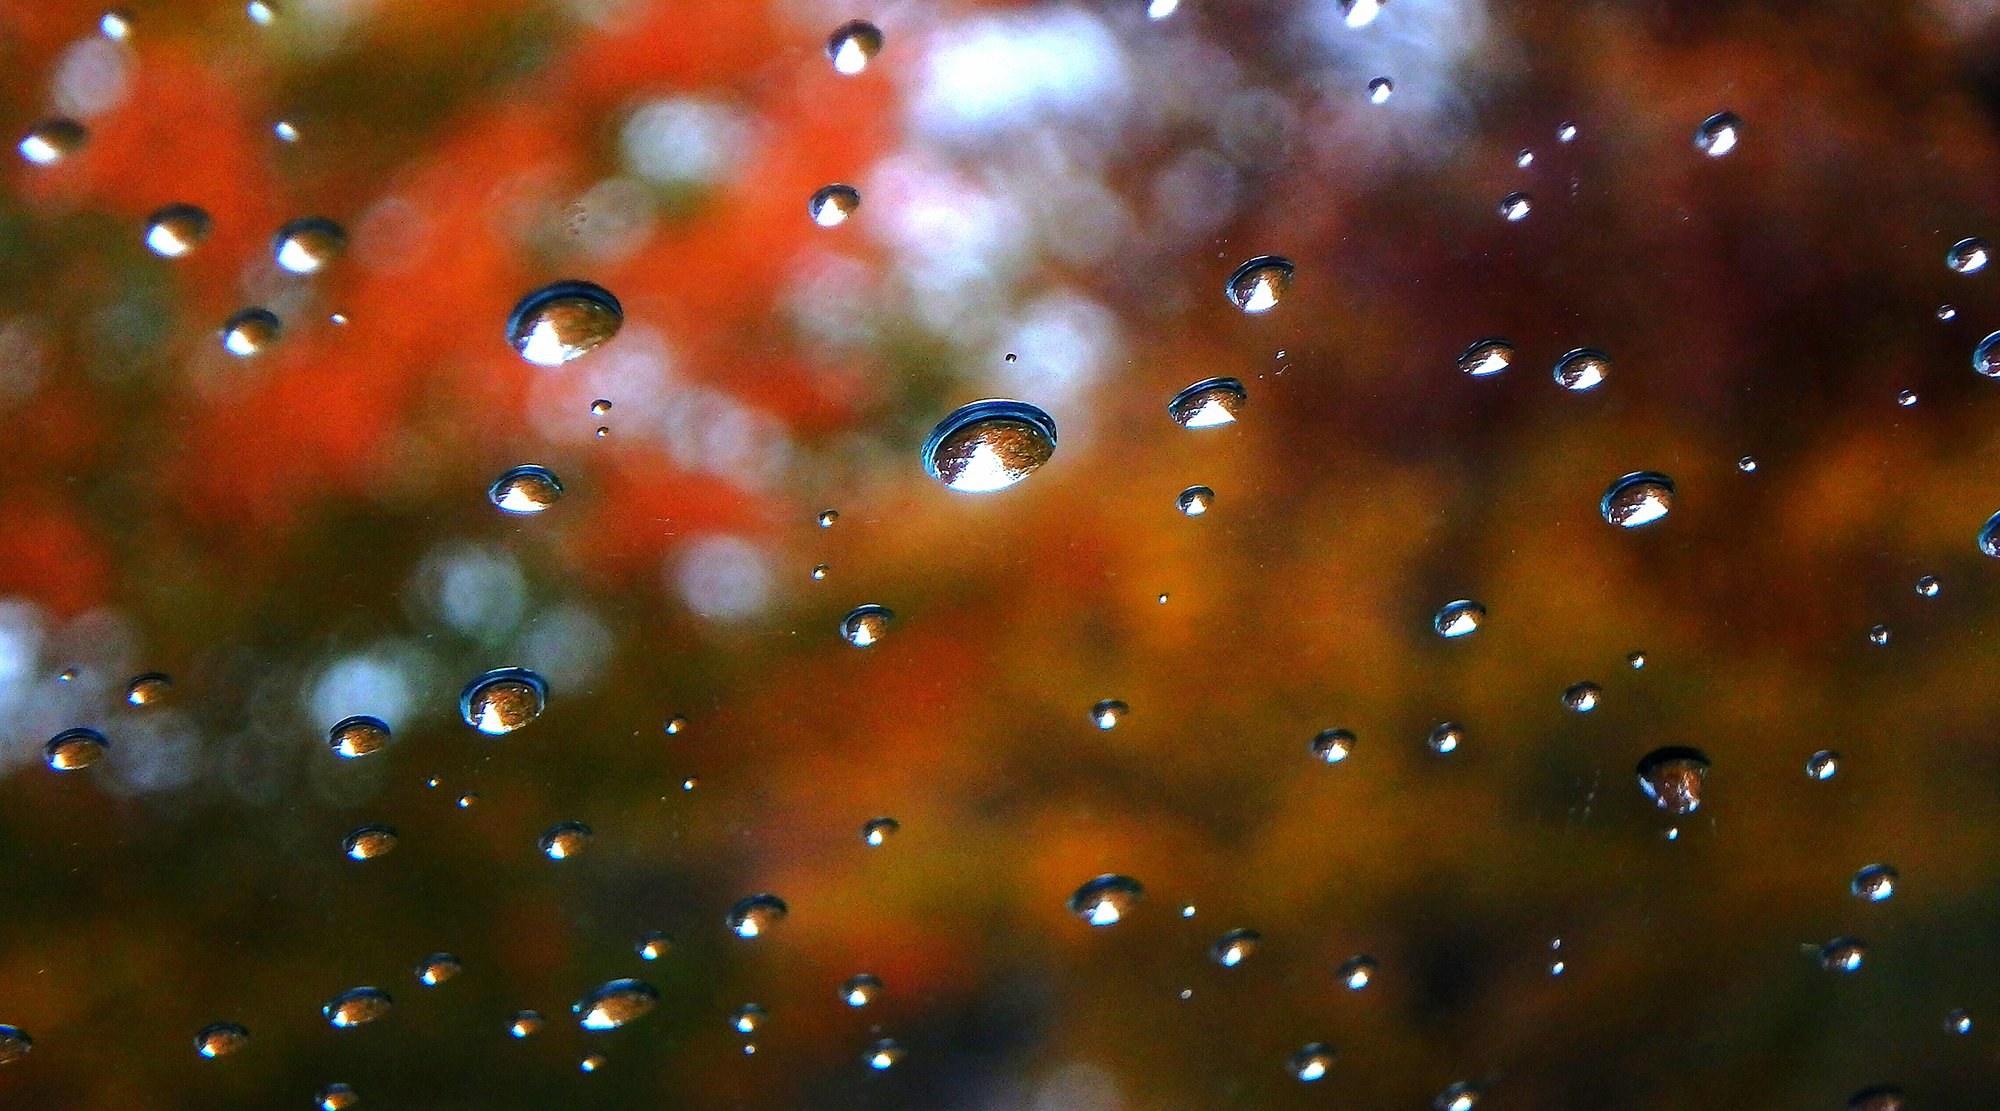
[525, 1024]
[356, 1006]
[747, 1018]
[827, 517]
[1516, 205]
[1672, 777]
[466, 800]
[819, 570]
[1822, 764]
[1969, 256]
[1928, 586]
[437, 968]
[754, 915]
[1487, 356]
[52, 140]
[503, 700]
[1986, 356]
[1332, 745]
[337, 1097]
[883, 1054]
[591, 1062]
[864, 625]
[1582, 697]
[1958, 1021]
[1459, 618]
[860, 989]
[1565, 132]
[600, 407]
[357, 736]
[175, 230]
[308, 244]
[1880, 1097]
[1639, 498]
[528, 488]
[652, 945]
[261, 12]
[853, 45]
[368, 842]
[1874, 883]
[563, 840]
[1746, 464]
[1718, 134]
[689, 783]
[560, 321]
[14, 1043]
[72, 749]
[1108, 713]
[1187, 911]
[877, 830]
[614, 1003]
[1230, 949]
[1556, 968]
[831, 205]
[1357, 972]
[338, 318]
[1445, 737]
[1310, 1062]
[146, 689]
[250, 331]
[220, 1039]
[285, 132]
[1380, 90]
[115, 25]
[67, 674]
[989, 445]
[1843, 954]
[1208, 403]
[1106, 899]
[1457, 1097]
[1637, 660]
[1906, 398]
[1258, 285]
[1163, 599]
[1946, 312]
[1878, 635]
[1582, 369]
[1011, 357]
[1195, 500]
[1524, 159]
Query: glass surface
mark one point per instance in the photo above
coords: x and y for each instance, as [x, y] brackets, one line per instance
[495, 609]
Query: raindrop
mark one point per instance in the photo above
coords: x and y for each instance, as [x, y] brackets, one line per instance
[220, 1039]
[74, 748]
[1969, 256]
[524, 1024]
[1959, 1021]
[1822, 764]
[1230, 949]
[503, 700]
[1928, 586]
[1380, 90]
[877, 830]
[1514, 206]
[860, 990]
[52, 140]
[1105, 899]
[261, 12]
[1195, 500]
[563, 840]
[336, 1097]
[368, 842]
[176, 229]
[853, 45]
[989, 445]
[831, 205]
[1582, 369]
[747, 1018]
[1717, 134]
[115, 25]
[652, 945]
[1874, 883]
[1108, 713]
[1842, 954]
[755, 915]
[1524, 159]
[1565, 132]
[14, 1043]
[1445, 737]
[144, 690]
[1639, 498]
[1357, 972]
[1986, 356]
[562, 320]
[1880, 1097]
[591, 1062]
[1637, 660]
[1907, 398]
[827, 517]
[357, 736]
[883, 1054]
[308, 244]
[613, 1004]
[1457, 1097]
[819, 570]
[1459, 618]
[1332, 745]
[528, 488]
[356, 1006]
[1672, 777]
[1487, 356]
[437, 968]
[1311, 1062]
[1582, 697]
[864, 625]
[1208, 403]
[250, 331]
[1878, 635]
[1989, 536]
[1258, 285]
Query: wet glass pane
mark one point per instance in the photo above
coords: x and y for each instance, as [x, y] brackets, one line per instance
[1053, 556]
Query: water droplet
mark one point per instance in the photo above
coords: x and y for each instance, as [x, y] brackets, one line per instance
[1524, 159]
[1230, 949]
[336, 1097]
[285, 132]
[524, 1024]
[1959, 1021]
[747, 1018]
[357, 736]
[1842, 954]
[220, 1039]
[860, 990]
[827, 517]
[528, 488]
[819, 570]
[437, 968]
[1565, 132]
[831, 205]
[1946, 312]
[1208, 403]
[1311, 1062]
[562, 320]
[74, 748]
[1747, 464]
[66, 674]
[1459, 618]
[689, 783]
[1487, 356]
[368, 842]
[1878, 635]
[14, 1043]
[250, 331]
[1717, 134]
[1108, 713]
[1637, 660]
[115, 25]
[615, 1003]
[1907, 398]
[307, 244]
[1457, 1097]
[1163, 599]
[146, 689]
[883, 1054]
[1969, 256]
[1515, 206]
[466, 800]
[1874, 883]
[1357, 972]
[853, 45]
[1445, 737]
[1639, 498]
[591, 1062]
[864, 625]
[1360, 13]
[52, 140]
[1258, 285]
[175, 230]
[755, 915]
[261, 12]
[503, 700]
[989, 445]
[1986, 356]
[1672, 777]
[1195, 500]
[877, 830]
[1582, 697]
[1928, 586]
[652, 945]
[1187, 911]
[1582, 369]
[1822, 764]
[1332, 745]
[356, 1006]
[1880, 1097]
[1380, 90]
[563, 840]
[1556, 968]
[1105, 899]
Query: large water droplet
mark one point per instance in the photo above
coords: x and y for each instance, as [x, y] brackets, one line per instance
[368, 842]
[1487, 356]
[989, 445]
[1459, 618]
[563, 840]
[1357, 972]
[748, 1018]
[307, 244]
[754, 915]
[14, 1043]
[1582, 369]
[1822, 764]
[864, 625]
[1456, 1097]
[1874, 883]
[562, 320]
[1717, 134]
[1672, 777]
[1843, 954]
[52, 140]
[1332, 745]
[1310, 1062]
[1445, 737]
[1582, 697]
[1105, 899]
[860, 989]
[337, 1097]
[831, 205]
[1880, 1097]
[1258, 285]
[357, 736]
[525, 1024]
[437, 968]
[652, 945]
[853, 45]
[356, 1006]
[1639, 498]
[175, 230]
[1195, 500]
[874, 831]
[220, 1039]
[503, 700]
[883, 1054]
[1208, 403]
[250, 331]
[528, 488]
[74, 748]
[613, 1004]
[1969, 256]
[1986, 356]
[1515, 206]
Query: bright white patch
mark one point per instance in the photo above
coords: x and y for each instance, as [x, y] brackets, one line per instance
[686, 141]
[1161, 9]
[1360, 13]
[285, 131]
[1064, 342]
[567, 645]
[115, 26]
[1212, 412]
[93, 76]
[723, 578]
[379, 683]
[40, 151]
[850, 58]
[1013, 71]
[295, 256]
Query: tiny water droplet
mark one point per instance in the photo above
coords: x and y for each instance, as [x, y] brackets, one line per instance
[1457, 1097]
[1874, 883]
[72, 749]
[674, 725]
[336, 1097]
[1011, 357]
[1986, 356]
[1946, 312]
[250, 331]
[563, 840]
[175, 230]
[1843, 954]
[14, 1043]
[1958, 1021]
[1672, 777]
[1310, 1062]
[600, 407]
[368, 842]
[357, 736]
[1718, 134]
[652, 945]
[1357, 972]
[308, 244]
[466, 800]
[1195, 500]
[52, 140]
[1639, 498]
[1516, 205]
[503, 700]
[1380, 90]
[1445, 737]
[560, 321]
[1459, 618]
[1582, 697]
[853, 45]
[689, 783]
[1163, 599]
[1637, 660]
[1332, 745]
[1187, 911]
[146, 689]
[67, 674]
[525, 1024]
[1582, 369]
[1906, 398]
[864, 625]
[827, 517]
[1524, 159]
[115, 25]
[614, 1003]
[1747, 464]
[989, 445]
[261, 12]
[220, 1039]
[877, 830]
[356, 1006]
[591, 1062]
[1208, 403]
[1161, 9]
[860, 989]
[1878, 635]
[1565, 132]
[1108, 713]
[748, 1018]
[831, 205]
[1928, 586]
[1230, 949]
[285, 132]
[1880, 1097]
[338, 318]
[1556, 968]
[819, 570]
[883, 1054]
[754, 915]
[1258, 285]
[1822, 764]
[1487, 356]
[1969, 256]
[528, 488]
[437, 968]
[1106, 899]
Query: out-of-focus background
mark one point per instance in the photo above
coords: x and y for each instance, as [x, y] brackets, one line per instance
[1053, 198]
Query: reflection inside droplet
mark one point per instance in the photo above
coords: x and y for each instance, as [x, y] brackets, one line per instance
[357, 736]
[219, 1039]
[306, 245]
[1459, 618]
[1108, 713]
[52, 140]
[1969, 256]
[175, 230]
[250, 331]
[1195, 500]
[864, 625]
[1357, 972]
[437, 968]
[853, 45]
[1672, 777]
[528, 488]
[1332, 745]
[1230, 949]
[860, 990]
[1582, 369]
[1313, 1061]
